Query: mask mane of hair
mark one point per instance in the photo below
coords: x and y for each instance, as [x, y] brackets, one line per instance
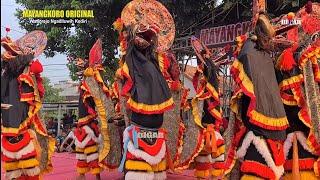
[16, 66]
[264, 32]
[149, 52]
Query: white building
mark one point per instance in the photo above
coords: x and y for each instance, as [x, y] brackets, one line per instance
[69, 89]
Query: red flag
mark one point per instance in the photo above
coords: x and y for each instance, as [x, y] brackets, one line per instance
[95, 55]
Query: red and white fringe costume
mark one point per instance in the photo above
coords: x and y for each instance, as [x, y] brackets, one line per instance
[87, 142]
[260, 157]
[141, 160]
[21, 152]
[292, 94]
[210, 160]
[88, 135]
[21, 158]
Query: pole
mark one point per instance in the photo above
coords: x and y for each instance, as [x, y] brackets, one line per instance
[295, 159]
[59, 120]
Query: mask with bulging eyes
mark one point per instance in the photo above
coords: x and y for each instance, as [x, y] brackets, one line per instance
[146, 36]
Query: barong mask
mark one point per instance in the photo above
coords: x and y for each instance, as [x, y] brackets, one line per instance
[149, 19]
[269, 37]
[146, 36]
[95, 54]
[13, 59]
[20, 53]
[202, 52]
[310, 25]
[11, 49]
[95, 60]
[264, 32]
[31, 43]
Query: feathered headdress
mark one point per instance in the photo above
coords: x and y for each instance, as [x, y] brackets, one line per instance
[309, 16]
[95, 55]
[31, 43]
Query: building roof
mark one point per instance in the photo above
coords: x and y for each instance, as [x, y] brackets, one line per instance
[69, 90]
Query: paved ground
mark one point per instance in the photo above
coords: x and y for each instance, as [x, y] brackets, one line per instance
[64, 169]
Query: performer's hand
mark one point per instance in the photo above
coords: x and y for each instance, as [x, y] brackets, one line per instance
[5, 106]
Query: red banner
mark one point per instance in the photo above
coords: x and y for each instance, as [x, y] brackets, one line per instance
[221, 35]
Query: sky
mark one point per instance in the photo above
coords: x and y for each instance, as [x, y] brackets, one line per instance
[53, 71]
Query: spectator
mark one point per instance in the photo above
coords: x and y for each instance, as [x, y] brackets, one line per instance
[64, 119]
[50, 126]
[50, 123]
[55, 126]
[60, 139]
[68, 143]
[74, 118]
[67, 120]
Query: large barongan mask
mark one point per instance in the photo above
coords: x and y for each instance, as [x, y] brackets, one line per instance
[150, 18]
[31, 43]
[146, 35]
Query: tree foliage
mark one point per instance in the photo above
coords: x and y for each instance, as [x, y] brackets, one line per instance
[51, 93]
[76, 40]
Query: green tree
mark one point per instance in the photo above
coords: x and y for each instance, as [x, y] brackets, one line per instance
[76, 40]
[51, 93]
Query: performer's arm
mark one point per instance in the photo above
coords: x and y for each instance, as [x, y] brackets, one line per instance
[70, 136]
[4, 86]
[5, 106]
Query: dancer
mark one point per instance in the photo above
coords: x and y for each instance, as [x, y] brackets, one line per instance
[304, 163]
[88, 134]
[26, 148]
[173, 119]
[98, 144]
[146, 31]
[257, 103]
[68, 142]
[210, 161]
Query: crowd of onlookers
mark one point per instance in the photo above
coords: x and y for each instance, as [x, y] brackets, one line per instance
[64, 140]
